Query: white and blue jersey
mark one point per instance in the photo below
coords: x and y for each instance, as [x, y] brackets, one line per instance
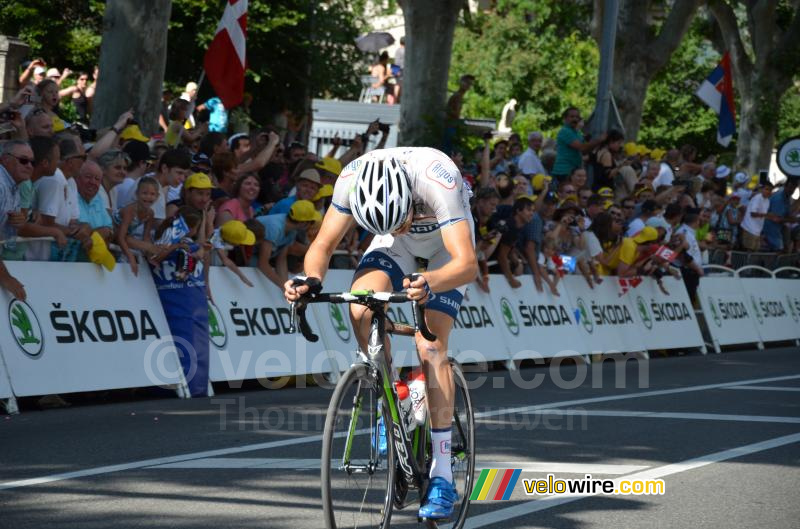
[440, 197]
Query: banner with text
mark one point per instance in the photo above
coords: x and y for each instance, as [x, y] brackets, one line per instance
[790, 288]
[729, 318]
[85, 329]
[249, 331]
[537, 324]
[771, 306]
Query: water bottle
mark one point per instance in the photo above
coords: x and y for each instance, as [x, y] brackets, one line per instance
[406, 411]
[416, 390]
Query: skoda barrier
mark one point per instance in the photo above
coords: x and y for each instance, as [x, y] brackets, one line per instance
[83, 329]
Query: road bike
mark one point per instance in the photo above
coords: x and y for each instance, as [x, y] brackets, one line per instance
[361, 483]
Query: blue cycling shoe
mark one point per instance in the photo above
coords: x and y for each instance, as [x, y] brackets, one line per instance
[439, 500]
[382, 449]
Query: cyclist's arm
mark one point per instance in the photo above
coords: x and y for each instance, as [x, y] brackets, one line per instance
[334, 227]
[463, 265]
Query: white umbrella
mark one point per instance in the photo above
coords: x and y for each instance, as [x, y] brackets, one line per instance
[374, 42]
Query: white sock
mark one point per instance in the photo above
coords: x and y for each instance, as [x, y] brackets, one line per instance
[440, 441]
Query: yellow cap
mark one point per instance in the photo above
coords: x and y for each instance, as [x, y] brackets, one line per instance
[133, 132]
[647, 234]
[657, 154]
[331, 165]
[324, 191]
[630, 148]
[304, 211]
[605, 192]
[236, 233]
[641, 149]
[607, 204]
[99, 253]
[753, 182]
[198, 181]
[539, 181]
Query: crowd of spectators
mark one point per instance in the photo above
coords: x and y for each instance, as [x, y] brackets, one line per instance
[254, 196]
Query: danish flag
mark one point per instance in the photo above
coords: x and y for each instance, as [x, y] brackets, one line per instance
[225, 60]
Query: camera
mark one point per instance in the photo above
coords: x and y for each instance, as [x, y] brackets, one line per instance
[501, 227]
[487, 135]
[383, 127]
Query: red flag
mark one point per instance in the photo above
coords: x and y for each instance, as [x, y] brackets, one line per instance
[225, 60]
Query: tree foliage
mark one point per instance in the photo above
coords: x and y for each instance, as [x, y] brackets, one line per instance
[295, 48]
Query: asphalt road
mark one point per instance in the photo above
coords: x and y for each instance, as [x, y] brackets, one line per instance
[722, 431]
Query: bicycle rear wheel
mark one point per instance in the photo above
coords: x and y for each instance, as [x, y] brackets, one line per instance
[357, 481]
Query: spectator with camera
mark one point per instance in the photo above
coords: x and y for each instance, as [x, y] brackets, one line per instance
[520, 240]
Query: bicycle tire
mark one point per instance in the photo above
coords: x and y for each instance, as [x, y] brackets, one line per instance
[341, 509]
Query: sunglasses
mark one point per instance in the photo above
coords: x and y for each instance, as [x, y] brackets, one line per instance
[21, 159]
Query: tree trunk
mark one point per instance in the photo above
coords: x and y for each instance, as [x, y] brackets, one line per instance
[133, 55]
[640, 53]
[429, 43]
[762, 80]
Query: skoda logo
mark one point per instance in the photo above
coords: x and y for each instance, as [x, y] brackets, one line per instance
[759, 317]
[339, 322]
[508, 316]
[714, 312]
[25, 328]
[216, 327]
[644, 313]
[583, 316]
[790, 302]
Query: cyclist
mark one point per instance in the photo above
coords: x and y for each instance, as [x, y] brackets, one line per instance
[414, 200]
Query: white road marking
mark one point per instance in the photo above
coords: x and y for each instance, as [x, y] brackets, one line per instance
[548, 502]
[766, 388]
[670, 415]
[308, 464]
[316, 438]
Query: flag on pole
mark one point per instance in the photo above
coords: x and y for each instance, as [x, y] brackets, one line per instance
[225, 60]
[716, 91]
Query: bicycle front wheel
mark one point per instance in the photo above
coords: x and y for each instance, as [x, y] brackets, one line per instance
[357, 479]
[462, 445]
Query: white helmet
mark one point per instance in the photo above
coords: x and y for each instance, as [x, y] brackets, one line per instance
[381, 196]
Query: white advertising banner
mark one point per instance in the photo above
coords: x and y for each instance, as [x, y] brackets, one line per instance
[5, 386]
[728, 313]
[85, 329]
[790, 288]
[477, 331]
[249, 331]
[537, 324]
[771, 307]
[666, 321]
[606, 319]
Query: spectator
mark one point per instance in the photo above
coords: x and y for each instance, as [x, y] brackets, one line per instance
[780, 214]
[39, 123]
[630, 251]
[453, 111]
[34, 71]
[498, 163]
[124, 193]
[606, 163]
[740, 181]
[113, 164]
[486, 201]
[79, 95]
[55, 206]
[666, 174]
[223, 171]
[625, 182]
[172, 170]
[239, 144]
[308, 185]
[240, 208]
[721, 180]
[649, 209]
[381, 73]
[570, 145]
[72, 155]
[16, 167]
[48, 92]
[599, 239]
[280, 231]
[92, 210]
[225, 239]
[529, 162]
[726, 224]
[690, 260]
[578, 179]
[754, 216]
[550, 265]
[135, 222]
[218, 116]
[520, 239]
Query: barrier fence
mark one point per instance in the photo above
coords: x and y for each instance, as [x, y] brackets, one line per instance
[84, 329]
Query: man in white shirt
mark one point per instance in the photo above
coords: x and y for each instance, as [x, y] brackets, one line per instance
[125, 193]
[753, 221]
[691, 261]
[665, 174]
[529, 162]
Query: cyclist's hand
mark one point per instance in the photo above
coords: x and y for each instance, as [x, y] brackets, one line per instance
[417, 289]
[296, 287]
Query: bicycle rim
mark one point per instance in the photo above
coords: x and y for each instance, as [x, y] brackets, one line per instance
[357, 482]
[462, 445]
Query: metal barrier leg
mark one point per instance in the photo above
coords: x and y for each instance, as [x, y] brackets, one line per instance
[11, 406]
[511, 365]
[210, 389]
[760, 346]
[717, 348]
[703, 349]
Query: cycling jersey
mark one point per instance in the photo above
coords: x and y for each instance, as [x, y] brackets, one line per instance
[440, 198]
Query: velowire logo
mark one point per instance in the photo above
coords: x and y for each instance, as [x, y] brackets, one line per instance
[25, 328]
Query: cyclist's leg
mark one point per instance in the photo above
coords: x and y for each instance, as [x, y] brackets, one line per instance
[381, 269]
